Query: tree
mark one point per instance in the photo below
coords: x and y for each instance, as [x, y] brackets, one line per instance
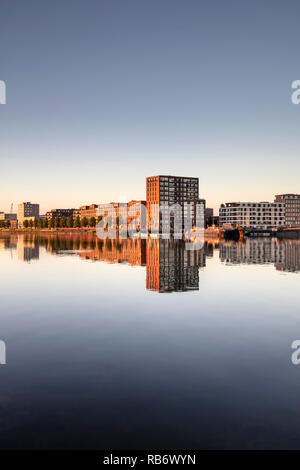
[31, 223]
[108, 244]
[92, 222]
[25, 224]
[84, 222]
[77, 221]
[35, 223]
[45, 222]
[40, 223]
[50, 223]
[56, 222]
[63, 221]
[69, 222]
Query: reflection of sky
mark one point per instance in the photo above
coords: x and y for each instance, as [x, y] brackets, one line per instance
[96, 360]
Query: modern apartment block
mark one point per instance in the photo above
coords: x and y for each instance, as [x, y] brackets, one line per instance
[50, 215]
[76, 214]
[4, 216]
[88, 211]
[125, 213]
[292, 208]
[164, 190]
[136, 211]
[27, 211]
[260, 215]
[109, 209]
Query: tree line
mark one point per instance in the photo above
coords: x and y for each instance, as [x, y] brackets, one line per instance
[56, 222]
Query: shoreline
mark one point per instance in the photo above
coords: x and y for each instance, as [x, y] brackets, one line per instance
[47, 230]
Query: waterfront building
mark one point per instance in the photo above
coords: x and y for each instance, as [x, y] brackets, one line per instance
[260, 215]
[208, 216]
[27, 211]
[76, 214]
[87, 211]
[50, 215]
[136, 211]
[110, 209]
[4, 216]
[163, 191]
[292, 208]
[122, 214]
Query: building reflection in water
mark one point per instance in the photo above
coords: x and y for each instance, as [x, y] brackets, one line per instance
[169, 266]
[28, 248]
[283, 254]
[172, 268]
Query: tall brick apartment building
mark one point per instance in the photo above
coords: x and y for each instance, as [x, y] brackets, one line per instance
[170, 190]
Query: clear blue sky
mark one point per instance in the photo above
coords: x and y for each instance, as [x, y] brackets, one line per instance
[101, 94]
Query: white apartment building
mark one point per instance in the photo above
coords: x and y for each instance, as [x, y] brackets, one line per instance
[260, 215]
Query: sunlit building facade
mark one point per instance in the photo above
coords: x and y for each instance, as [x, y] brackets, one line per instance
[27, 211]
[164, 191]
[292, 208]
[260, 215]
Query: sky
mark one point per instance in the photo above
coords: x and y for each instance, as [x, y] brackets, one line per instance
[102, 94]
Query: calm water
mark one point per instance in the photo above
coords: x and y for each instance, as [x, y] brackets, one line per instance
[146, 345]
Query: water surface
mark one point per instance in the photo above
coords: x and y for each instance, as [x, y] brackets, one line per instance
[139, 344]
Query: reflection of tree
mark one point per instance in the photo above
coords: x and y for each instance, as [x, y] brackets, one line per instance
[108, 244]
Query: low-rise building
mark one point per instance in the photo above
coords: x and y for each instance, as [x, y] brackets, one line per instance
[4, 216]
[123, 215]
[76, 214]
[260, 215]
[50, 215]
[88, 211]
[136, 211]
